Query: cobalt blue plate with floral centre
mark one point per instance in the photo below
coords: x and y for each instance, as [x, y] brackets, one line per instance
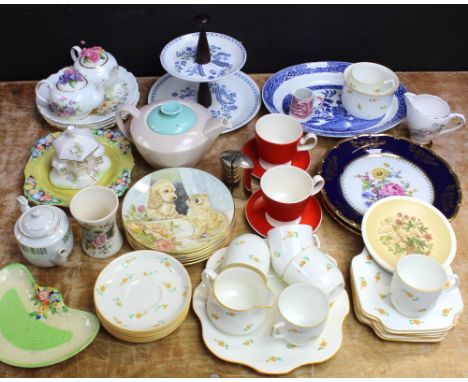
[364, 169]
[329, 118]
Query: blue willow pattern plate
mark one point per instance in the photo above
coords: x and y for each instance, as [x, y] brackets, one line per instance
[362, 170]
[329, 118]
[227, 56]
[236, 97]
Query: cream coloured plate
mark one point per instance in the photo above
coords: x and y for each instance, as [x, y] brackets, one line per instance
[400, 225]
[372, 286]
[142, 290]
[260, 351]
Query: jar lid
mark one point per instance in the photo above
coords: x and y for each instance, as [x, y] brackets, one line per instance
[39, 221]
[171, 118]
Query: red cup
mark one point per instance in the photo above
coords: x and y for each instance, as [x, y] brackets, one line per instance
[286, 191]
[279, 137]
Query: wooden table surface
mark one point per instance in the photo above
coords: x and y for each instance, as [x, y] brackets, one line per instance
[183, 353]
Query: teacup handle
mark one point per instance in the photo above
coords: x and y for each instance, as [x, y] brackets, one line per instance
[38, 86]
[303, 145]
[332, 259]
[319, 182]
[391, 81]
[316, 240]
[454, 280]
[75, 53]
[208, 276]
[276, 332]
[459, 125]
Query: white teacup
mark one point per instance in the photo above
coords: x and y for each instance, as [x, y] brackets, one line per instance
[417, 284]
[248, 250]
[303, 312]
[429, 116]
[95, 210]
[315, 267]
[287, 241]
[371, 78]
[238, 301]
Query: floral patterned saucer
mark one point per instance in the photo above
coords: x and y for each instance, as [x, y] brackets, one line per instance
[236, 97]
[400, 225]
[178, 210]
[36, 327]
[329, 118]
[142, 292]
[227, 57]
[38, 188]
[362, 170]
[125, 90]
[371, 290]
[259, 350]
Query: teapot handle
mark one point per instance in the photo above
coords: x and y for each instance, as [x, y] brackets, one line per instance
[75, 53]
[38, 86]
[133, 111]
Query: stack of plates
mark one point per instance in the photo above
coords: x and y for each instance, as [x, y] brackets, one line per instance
[184, 212]
[370, 285]
[125, 91]
[364, 169]
[142, 296]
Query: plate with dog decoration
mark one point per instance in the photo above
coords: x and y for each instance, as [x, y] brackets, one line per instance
[178, 210]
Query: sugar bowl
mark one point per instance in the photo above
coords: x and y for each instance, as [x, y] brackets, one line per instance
[43, 234]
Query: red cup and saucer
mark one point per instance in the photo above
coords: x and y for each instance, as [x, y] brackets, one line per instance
[289, 201]
[279, 140]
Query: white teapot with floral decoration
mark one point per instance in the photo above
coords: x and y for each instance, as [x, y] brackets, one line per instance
[95, 64]
[70, 94]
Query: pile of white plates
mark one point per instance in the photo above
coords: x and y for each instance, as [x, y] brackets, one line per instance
[125, 90]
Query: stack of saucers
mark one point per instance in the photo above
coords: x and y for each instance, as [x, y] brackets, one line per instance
[370, 284]
[125, 90]
[142, 296]
[184, 212]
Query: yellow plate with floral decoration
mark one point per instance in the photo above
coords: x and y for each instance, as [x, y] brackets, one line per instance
[400, 225]
[38, 188]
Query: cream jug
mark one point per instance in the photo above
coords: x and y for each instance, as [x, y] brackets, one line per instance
[43, 234]
[429, 116]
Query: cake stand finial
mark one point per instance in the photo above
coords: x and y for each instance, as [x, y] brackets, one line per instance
[203, 55]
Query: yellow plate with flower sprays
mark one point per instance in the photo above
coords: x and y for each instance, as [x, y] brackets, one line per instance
[400, 225]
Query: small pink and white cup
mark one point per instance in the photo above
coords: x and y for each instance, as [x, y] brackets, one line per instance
[302, 103]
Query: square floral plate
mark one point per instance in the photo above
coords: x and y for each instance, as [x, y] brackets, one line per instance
[371, 284]
[36, 328]
[329, 118]
[259, 350]
[236, 97]
[362, 170]
[38, 188]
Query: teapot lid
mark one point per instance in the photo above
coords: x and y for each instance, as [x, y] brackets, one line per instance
[171, 118]
[39, 221]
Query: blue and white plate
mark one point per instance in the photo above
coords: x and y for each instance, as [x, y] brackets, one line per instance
[236, 97]
[362, 170]
[329, 118]
[227, 57]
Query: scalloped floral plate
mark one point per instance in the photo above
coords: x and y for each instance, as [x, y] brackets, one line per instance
[38, 188]
[36, 328]
[259, 350]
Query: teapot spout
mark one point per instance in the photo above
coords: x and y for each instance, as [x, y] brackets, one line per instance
[23, 203]
[215, 126]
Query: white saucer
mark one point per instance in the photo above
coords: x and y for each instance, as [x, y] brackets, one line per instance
[236, 97]
[227, 56]
[259, 350]
[126, 91]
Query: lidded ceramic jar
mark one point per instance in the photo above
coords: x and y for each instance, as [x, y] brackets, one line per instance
[171, 132]
[43, 234]
[95, 64]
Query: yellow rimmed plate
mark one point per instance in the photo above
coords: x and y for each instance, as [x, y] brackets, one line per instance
[400, 225]
[38, 188]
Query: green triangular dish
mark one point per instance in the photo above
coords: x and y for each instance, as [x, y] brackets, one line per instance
[36, 327]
